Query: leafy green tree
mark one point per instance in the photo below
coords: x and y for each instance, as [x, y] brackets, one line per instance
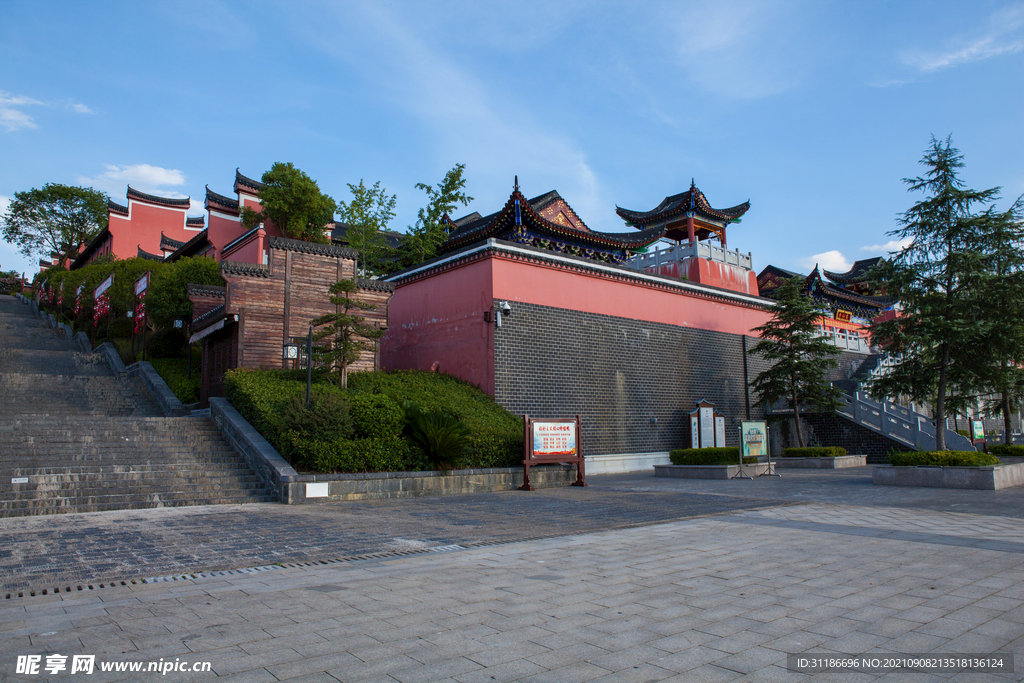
[368, 214]
[1000, 357]
[346, 332]
[940, 280]
[800, 357]
[423, 239]
[56, 218]
[295, 204]
[167, 297]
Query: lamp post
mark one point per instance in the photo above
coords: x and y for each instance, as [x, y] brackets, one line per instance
[309, 365]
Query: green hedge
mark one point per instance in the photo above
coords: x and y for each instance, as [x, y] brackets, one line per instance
[943, 459]
[376, 407]
[814, 452]
[174, 371]
[1007, 449]
[707, 456]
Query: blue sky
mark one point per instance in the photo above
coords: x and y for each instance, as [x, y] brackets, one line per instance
[814, 111]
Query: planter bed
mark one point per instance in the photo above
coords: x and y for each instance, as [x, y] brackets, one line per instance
[988, 478]
[708, 471]
[823, 463]
[312, 488]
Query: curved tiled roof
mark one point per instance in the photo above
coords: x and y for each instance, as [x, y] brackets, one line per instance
[678, 204]
[195, 221]
[151, 257]
[96, 243]
[467, 232]
[247, 182]
[239, 268]
[169, 244]
[857, 273]
[379, 285]
[217, 291]
[220, 200]
[877, 302]
[153, 199]
[192, 247]
[114, 207]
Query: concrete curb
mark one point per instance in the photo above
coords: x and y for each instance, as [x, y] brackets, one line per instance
[990, 478]
[113, 358]
[839, 462]
[263, 458]
[158, 388]
[709, 471]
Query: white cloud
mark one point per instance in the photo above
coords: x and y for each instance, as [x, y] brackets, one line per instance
[890, 246]
[4, 203]
[12, 118]
[830, 260]
[142, 177]
[1001, 38]
[79, 108]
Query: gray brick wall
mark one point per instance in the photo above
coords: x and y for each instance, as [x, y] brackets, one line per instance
[619, 374]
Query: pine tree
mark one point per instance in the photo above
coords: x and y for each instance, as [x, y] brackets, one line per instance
[347, 334]
[800, 357]
[940, 281]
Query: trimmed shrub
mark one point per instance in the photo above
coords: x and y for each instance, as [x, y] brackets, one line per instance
[814, 452]
[376, 416]
[1007, 449]
[375, 399]
[708, 456]
[495, 435]
[356, 455]
[327, 418]
[943, 459]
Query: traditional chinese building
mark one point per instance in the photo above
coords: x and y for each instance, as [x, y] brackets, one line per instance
[846, 314]
[264, 306]
[858, 279]
[553, 318]
[139, 227]
[694, 225]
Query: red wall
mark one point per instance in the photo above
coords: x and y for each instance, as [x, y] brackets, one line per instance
[440, 320]
[144, 226]
[551, 286]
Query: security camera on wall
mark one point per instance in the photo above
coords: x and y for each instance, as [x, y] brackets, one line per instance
[505, 308]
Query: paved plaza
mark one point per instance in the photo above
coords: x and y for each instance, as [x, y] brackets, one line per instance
[631, 579]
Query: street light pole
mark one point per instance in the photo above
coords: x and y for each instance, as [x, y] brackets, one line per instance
[309, 365]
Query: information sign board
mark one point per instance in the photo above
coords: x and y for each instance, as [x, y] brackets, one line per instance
[978, 430]
[552, 441]
[753, 438]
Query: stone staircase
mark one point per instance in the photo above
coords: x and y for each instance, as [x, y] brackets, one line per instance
[75, 438]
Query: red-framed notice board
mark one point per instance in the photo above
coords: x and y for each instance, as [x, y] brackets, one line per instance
[551, 441]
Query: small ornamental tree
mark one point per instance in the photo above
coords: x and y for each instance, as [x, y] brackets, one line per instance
[800, 356]
[423, 239]
[944, 282]
[54, 219]
[347, 333]
[294, 202]
[368, 214]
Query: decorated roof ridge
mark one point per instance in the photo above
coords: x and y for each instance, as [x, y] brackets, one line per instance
[83, 256]
[240, 268]
[220, 199]
[165, 201]
[195, 220]
[678, 204]
[216, 291]
[185, 249]
[116, 208]
[838, 292]
[245, 181]
[45, 264]
[304, 247]
[152, 257]
[486, 248]
[858, 272]
[479, 229]
[170, 242]
[378, 285]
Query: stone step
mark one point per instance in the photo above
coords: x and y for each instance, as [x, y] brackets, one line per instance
[146, 484]
[123, 503]
[57, 475]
